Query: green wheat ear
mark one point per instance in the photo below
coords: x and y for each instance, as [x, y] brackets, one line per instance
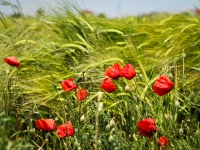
[24, 42]
[69, 44]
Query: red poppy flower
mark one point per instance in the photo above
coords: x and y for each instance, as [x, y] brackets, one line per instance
[128, 72]
[146, 127]
[12, 61]
[68, 85]
[163, 142]
[163, 85]
[81, 94]
[46, 124]
[65, 130]
[114, 71]
[108, 85]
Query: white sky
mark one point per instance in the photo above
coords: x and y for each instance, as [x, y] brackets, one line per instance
[111, 8]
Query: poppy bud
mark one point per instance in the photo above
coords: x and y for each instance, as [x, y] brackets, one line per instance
[183, 55]
[112, 122]
[111, 138]
[177, 104]
[181, 131]
[32, 131]
[127, 88]
[99, 142]
[196, 133]
[82, 118]
[107, 127]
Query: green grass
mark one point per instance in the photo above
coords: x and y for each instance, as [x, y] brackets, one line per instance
[52, 48]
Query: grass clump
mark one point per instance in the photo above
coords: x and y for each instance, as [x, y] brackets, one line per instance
[79, 46]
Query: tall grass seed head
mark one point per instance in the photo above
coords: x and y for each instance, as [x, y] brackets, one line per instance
[100, 106]
[135, 137]
[99, 95]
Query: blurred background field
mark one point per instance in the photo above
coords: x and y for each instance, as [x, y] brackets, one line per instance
[112, 8]
[72, 42]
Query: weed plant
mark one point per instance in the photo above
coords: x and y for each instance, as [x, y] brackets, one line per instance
[82, 46]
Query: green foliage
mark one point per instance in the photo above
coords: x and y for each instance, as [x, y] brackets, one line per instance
[6, 125]
[53, 48]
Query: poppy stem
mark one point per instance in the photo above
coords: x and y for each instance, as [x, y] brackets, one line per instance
[79, 115]
[45, 141]
[96, 127]
[83, 76]
[55, 87]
